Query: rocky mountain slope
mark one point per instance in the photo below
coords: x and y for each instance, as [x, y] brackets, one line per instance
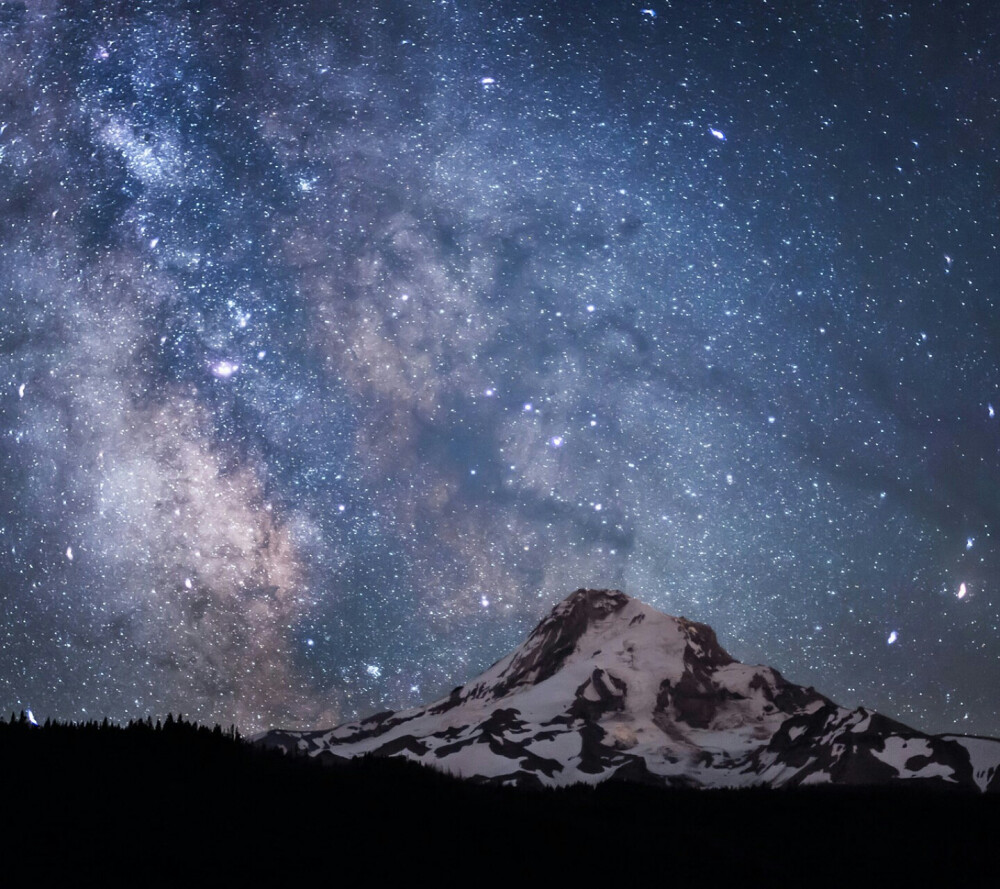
[607, 687]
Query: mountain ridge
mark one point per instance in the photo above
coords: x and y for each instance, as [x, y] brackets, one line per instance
[608, 688]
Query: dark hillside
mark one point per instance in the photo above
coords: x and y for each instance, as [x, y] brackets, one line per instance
[198, 805]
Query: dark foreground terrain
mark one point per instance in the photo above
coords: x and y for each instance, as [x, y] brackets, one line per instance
[190, 805]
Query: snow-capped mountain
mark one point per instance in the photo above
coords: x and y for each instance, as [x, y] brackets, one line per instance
[607, 687]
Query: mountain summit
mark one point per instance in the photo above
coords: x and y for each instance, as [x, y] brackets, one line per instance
[606, 687]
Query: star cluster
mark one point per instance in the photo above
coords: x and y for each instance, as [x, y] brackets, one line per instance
[338, 344]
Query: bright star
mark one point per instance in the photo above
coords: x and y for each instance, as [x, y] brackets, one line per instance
[224, 369]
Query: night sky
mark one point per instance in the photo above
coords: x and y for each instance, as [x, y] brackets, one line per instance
[339, 342]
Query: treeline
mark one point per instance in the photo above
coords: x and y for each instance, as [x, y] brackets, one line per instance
[170, 724]
[73, 752]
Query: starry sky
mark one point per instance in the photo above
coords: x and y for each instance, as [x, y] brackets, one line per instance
[339, 342]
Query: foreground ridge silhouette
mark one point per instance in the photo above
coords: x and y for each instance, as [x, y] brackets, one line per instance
[96, 798]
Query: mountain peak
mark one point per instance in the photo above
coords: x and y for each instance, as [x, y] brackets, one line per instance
[596, 602]
[606, 686]
[556, 637]
[605, 613]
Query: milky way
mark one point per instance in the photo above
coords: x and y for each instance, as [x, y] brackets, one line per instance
[337, 344]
